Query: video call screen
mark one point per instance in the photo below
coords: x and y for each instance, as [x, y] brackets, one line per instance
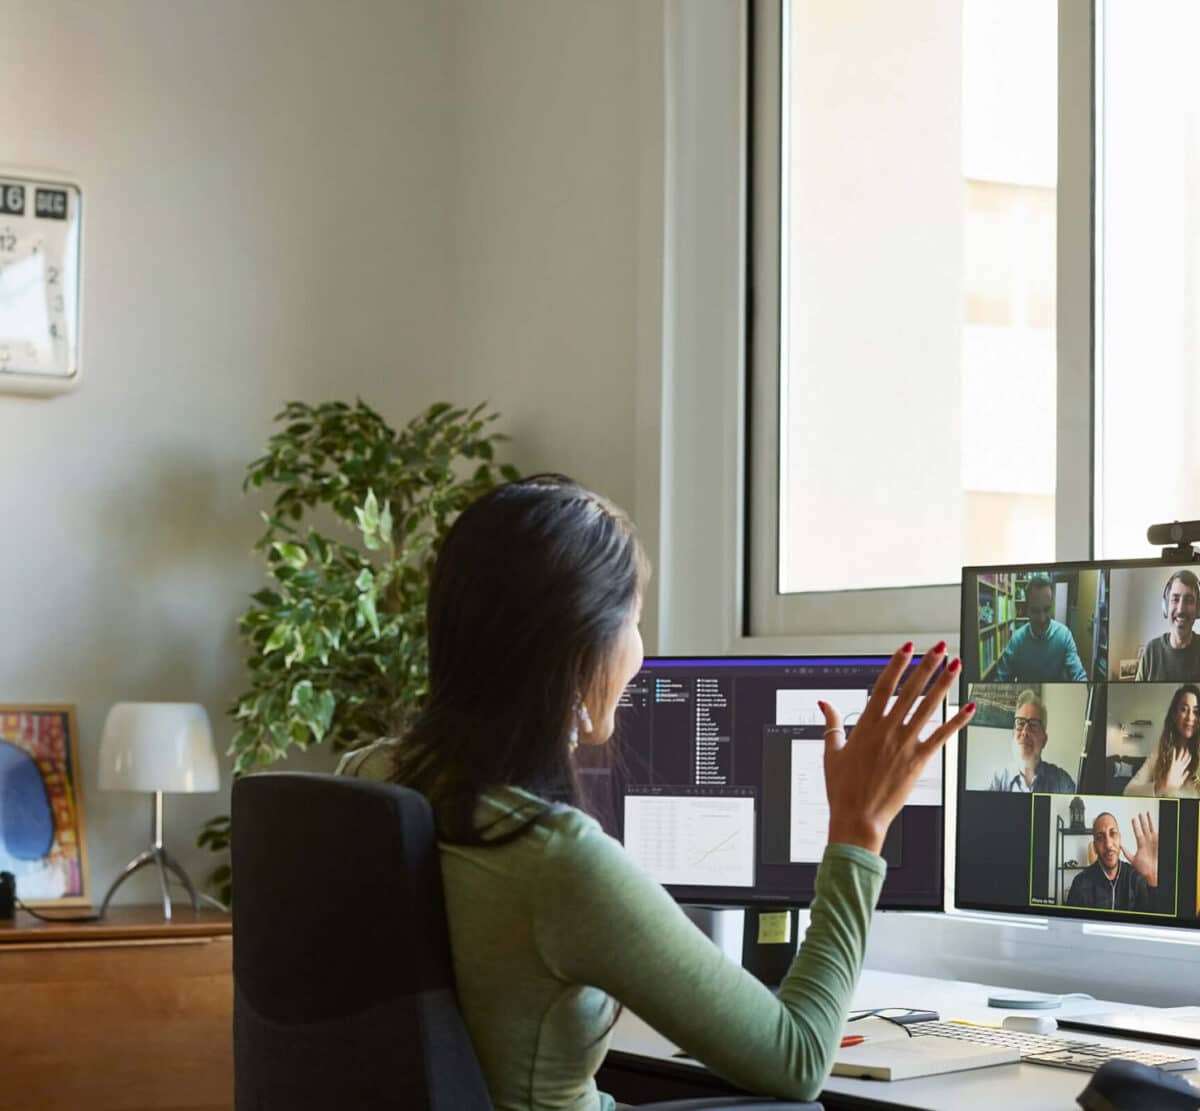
[715, 781]
[1079, 776]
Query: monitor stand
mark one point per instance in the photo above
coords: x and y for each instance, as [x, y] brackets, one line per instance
[763, 940]
[1177, 1026]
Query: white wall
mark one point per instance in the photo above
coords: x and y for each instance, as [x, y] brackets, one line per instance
[266, 207]
[544, 213]
[406, 201]
[1137, 702]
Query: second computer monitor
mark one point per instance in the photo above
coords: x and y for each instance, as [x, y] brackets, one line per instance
[715, 781]
[1079, 774]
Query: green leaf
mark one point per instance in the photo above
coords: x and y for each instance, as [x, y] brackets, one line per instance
[302, 695]
[299, 649]
[368, 514]
[366, 610]
[324, 707]
[318, 547]
[291, 554]
[280, 635]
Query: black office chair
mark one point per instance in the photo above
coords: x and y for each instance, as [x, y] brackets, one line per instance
[343, 982]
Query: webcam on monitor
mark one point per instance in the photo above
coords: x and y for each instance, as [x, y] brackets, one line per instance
[1180, 535]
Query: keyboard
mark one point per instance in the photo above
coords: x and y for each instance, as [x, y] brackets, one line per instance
[1059, 1053]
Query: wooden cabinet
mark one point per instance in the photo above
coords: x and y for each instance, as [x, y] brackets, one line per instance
[129, 1014]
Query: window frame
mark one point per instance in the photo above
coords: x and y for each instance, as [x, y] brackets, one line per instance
[900, 612]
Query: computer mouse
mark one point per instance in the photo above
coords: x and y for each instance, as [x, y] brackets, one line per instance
[1031, 1024]
[1128, 1086]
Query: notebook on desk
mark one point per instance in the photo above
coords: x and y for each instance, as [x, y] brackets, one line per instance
[889, 1053]
[896, 1060]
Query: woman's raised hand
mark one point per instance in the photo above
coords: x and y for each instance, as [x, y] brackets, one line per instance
[1179, 772]
[870, 774]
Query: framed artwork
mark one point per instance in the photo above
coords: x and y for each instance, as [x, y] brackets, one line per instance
[1128, 669]
[997, 702]
[43, 840]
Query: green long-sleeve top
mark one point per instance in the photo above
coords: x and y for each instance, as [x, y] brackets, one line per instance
[548, 930]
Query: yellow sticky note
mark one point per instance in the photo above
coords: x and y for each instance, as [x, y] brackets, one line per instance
[774, 928]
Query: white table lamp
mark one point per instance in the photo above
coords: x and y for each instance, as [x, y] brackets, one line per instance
[157, 747]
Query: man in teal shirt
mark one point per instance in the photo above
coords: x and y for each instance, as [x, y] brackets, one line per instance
[1042, 651]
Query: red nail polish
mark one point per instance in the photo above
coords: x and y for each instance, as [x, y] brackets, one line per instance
[954, 666]
[823, 706]
[939, 647]
[969, 707]
[907, 647]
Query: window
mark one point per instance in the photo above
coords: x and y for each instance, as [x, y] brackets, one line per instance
[1148, 272]
[923, 314]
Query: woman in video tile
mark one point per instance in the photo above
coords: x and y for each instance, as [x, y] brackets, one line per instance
[1171, 771]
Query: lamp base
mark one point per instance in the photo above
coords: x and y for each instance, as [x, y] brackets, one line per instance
[156, 854]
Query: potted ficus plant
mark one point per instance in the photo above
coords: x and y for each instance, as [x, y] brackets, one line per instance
[337, 651]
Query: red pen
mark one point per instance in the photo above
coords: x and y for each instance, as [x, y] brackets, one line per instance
[852, 1039]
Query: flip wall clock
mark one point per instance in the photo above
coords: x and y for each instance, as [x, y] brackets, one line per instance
[40, 243]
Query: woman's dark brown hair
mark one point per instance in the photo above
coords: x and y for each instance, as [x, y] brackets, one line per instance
[531, 590]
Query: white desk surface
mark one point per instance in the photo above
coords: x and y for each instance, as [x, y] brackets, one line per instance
[1030, 1087]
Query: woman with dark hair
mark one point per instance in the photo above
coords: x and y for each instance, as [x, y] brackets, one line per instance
[1173, 769]
[533, 635]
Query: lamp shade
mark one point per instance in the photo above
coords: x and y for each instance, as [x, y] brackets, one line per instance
[158, 746]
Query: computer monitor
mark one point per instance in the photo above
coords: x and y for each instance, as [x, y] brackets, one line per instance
[715, 780]
[1084, 743]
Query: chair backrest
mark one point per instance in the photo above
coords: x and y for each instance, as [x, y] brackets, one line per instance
[343, 982]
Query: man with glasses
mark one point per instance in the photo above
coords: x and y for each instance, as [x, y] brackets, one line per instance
[1042, 650]
[1029, 739]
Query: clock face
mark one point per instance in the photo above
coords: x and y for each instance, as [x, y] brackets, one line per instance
[39, 281]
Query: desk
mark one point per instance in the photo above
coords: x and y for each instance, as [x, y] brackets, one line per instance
[641, 1058]
[129, 1013]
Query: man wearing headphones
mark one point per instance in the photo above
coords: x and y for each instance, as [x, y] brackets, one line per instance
[1174, 657]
